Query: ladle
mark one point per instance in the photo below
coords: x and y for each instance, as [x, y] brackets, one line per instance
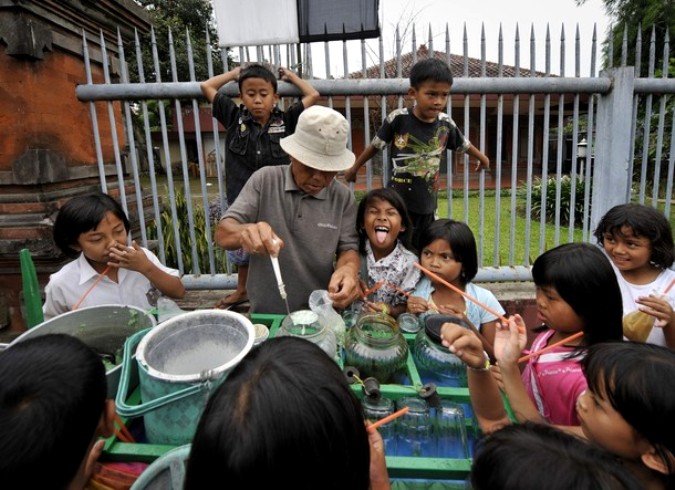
[280, 282]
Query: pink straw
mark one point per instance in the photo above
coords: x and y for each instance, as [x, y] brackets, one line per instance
[98, 279]
[456, 289]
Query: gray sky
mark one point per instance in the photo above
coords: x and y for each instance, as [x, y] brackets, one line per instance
[526, 14]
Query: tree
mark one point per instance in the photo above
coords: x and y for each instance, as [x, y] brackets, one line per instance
[652, 20]
[179, 17]
[643, 16]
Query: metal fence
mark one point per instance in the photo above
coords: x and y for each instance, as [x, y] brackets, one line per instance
[555, 141]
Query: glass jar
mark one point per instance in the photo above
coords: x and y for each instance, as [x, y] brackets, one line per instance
[376, 348]
[414, 429]
[305, 324]
[376, 408]
[435, 363]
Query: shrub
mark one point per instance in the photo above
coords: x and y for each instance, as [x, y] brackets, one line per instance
[538, 188]
[202, 240]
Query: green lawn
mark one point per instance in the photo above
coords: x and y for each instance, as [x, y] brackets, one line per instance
[488, 233]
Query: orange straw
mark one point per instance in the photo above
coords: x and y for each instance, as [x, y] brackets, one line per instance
[99, 279]
[388, 418]
[370, 291]
[552, 346]
[404, 293]
[672, 283]
[456, 289]
[123, 434]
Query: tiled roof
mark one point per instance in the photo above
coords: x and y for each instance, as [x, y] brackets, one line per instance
[456, 65]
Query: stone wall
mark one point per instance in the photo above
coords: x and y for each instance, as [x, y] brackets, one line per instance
[48, 154]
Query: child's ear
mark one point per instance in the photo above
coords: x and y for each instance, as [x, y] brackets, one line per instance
[412, 92]
[653, 460]
[106, 424]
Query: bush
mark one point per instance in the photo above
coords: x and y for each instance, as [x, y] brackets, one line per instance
[202, 239]
[538, 188]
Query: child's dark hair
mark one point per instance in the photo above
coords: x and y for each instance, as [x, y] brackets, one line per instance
[461, 240]
[287, 403]
[393, 198]
[584, 278]
[532, 456]
[638, 380]
[646, 222]
[430, 70]
[52, 396]
[256, 70]
[82, 214]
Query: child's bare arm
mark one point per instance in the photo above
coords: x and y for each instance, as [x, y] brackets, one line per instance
[483, 160]
[509, 343]
[485, 397]
[210, 87]
[367, 154]
[310, 95]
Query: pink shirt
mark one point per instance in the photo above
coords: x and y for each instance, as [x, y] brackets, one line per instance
[554, 382]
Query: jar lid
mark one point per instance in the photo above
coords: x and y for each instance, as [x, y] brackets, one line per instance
[433, 324]
[409, 323]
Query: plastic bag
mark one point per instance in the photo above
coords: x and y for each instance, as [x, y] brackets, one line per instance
[321, 304]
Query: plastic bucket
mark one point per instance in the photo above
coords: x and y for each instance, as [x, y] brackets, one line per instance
[104, 328]
[180, 362]
[165, 473]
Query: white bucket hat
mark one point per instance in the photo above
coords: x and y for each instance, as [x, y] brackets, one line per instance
[320, 140]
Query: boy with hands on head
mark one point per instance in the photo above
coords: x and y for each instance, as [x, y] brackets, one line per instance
[253, 133]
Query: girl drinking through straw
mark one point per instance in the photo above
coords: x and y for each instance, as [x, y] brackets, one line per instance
[93, 229]
[576, 290]
[385, 233]
[638, 240]
[627, 408]
[448, 249]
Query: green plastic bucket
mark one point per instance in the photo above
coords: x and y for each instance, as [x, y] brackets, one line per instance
[104, 328]
[180, 362]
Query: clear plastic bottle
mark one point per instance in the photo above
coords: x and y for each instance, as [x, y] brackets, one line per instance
[376, 348]
[305, 324]
[435, 363]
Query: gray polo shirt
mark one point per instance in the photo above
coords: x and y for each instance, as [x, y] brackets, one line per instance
[313, 228]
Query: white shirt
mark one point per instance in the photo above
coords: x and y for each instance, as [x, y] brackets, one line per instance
[67, 286]
[630, 292]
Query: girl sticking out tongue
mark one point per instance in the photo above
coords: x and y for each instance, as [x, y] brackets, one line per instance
[385, 233]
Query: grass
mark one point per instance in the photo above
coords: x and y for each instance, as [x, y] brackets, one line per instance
[488, 235]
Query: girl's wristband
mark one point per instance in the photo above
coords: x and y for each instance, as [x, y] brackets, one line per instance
[485, 367]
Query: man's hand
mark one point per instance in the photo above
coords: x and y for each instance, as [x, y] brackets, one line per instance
[259, 238]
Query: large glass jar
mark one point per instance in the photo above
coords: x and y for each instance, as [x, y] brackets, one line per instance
[376, 348]
[305, 324]
[435, 363]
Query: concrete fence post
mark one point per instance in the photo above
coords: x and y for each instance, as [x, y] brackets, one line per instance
[611, 179]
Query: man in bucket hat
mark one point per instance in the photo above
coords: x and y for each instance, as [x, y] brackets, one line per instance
[302, 214]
